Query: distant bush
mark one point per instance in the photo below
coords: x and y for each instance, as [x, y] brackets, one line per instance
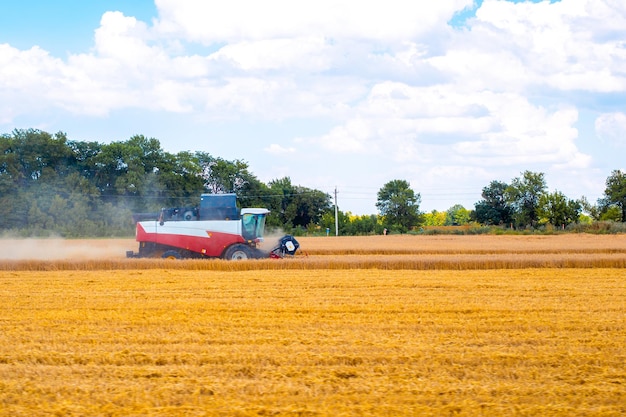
[599, 227]
[467, 229]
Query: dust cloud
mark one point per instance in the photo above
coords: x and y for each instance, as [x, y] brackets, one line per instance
[64, 249]
[51, 249]
[271, 240]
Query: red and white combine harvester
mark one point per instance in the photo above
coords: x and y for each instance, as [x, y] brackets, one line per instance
[216, 229]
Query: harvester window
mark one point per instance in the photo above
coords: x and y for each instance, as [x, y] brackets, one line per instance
[249, 223]
[253, 225]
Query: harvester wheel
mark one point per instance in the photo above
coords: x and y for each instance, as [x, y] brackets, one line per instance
[171, 254]
[188, 215]
[238, 252]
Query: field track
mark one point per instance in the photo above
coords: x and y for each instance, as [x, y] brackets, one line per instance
[383, 252]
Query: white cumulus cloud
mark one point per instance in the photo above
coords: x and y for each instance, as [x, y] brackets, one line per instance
[392, 81]
[277, 149]
[612, 128]
[212, 22]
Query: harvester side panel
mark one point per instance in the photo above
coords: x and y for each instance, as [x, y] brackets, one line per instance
[208, 238]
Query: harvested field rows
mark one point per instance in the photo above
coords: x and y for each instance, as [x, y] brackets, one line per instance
[169, 342]
[384, 252]
[477, 244]
[385, 262]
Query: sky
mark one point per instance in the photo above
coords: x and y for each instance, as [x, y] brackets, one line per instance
[335, 94]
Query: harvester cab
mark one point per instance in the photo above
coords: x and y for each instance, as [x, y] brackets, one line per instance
[253, 223]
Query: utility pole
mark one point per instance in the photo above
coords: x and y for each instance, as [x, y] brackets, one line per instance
[336, 215]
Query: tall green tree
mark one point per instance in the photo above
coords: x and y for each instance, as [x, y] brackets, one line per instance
[181, 183]
[127, 172]
[398, 204]
[457, 215]
[494, 209]
[556, 209]
[27, 153]
[223, 176]
[523, 194]
[296, 205]
[84, 158]
[615, 193]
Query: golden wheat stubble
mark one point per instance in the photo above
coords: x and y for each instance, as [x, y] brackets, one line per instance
[532, 342]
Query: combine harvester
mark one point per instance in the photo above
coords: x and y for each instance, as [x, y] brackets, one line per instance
[216, 229]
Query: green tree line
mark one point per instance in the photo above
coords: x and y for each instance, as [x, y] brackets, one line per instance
[50, 185]
[525, 203]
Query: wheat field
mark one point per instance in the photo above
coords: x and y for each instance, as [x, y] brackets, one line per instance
[83, 336]
[397, 252]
